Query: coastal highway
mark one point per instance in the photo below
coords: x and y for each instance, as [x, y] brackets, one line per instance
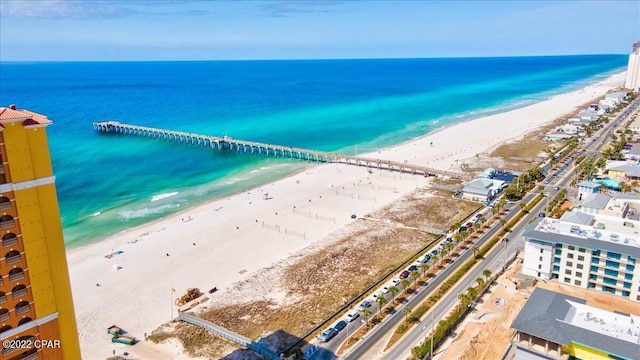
[369, 347]
[496, 258]
[372, 344]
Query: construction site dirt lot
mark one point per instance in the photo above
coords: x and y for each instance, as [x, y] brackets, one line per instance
[486, 332]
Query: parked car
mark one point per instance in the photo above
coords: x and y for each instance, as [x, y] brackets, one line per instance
[395, 282]
[352, 315]
[363, 305]
[340, 325]
[426, 258]
[412, 268]
[478, 216]
[468, 225]
[405, 274]
[327, 334]
[434, 252]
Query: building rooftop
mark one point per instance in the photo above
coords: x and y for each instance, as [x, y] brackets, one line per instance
[629, 169]
[578, 217]
[11, 114]
[609, 233]
[595, 201]
[563, 319]
[589, 184]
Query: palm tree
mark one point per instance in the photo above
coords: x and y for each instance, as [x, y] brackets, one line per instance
[366, 312]
[472, 293]
[463, 298]
[393, 290]
[435, 259]
[522, 205]
[503, 222]
[482, 220]
[449, 247]
[480, 281]
[407, 310]
[381, 302]
[415, 275]
[405, 283]
[476, 250]
[486, 273]
[424, 267]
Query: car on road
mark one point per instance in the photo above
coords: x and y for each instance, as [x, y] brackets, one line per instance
[327, 334]
[363, 305]
[405, 274]
[352, 315]
[547, 181]
[340, 325]
[556, 188]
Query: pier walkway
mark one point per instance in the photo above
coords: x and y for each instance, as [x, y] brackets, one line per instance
[256, 148]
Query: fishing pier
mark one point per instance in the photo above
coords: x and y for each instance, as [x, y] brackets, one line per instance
[227, 143]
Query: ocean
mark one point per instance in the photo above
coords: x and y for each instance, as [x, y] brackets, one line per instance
[108, 183]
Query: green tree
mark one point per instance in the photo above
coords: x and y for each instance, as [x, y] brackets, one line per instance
[415, 275]
[366, 312]
[480, 281]
[381, 301]
[405, 283]
[464, 298]
[424, 267]
[407, 310]
[476, 250]
[472, 293]
[393, 290]
[486, 273]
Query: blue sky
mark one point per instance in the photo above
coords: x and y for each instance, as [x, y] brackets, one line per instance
[60, 30]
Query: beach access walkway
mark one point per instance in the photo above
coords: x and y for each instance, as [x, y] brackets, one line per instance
[259, 346]
[255, 148]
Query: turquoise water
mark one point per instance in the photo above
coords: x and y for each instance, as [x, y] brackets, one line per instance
[609, 183]
[110, 183]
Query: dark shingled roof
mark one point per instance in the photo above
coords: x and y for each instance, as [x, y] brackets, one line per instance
[543, 317]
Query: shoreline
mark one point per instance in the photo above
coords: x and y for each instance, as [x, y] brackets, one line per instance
[227, 240]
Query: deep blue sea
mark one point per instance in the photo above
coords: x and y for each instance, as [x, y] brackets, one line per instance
[108, 183]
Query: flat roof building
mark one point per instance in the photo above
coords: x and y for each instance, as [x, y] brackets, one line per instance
[553, 325]
[632, 81]
[592, 251]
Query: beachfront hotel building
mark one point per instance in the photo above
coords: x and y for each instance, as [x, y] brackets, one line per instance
[597, 248]
[35, 291]
[632, 80]
[552, 325]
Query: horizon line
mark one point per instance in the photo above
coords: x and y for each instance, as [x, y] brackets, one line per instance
[307, 59]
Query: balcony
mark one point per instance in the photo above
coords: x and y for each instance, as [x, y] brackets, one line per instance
[23, 309]
[18, 294]
[5, 315]
[10, 241]
[5, 205]
[16, 276]
[7, 224]
[3, 298]
[13, 259]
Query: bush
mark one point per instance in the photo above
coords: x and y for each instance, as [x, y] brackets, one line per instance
[401, 329]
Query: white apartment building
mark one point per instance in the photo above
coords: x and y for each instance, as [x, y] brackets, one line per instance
[632, 80]
[593, 251]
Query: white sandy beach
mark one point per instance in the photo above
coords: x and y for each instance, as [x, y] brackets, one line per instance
[230, 240]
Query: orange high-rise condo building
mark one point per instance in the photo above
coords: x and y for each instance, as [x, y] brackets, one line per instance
[37, 319]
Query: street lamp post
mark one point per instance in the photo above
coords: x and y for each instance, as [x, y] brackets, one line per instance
[504, 265]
